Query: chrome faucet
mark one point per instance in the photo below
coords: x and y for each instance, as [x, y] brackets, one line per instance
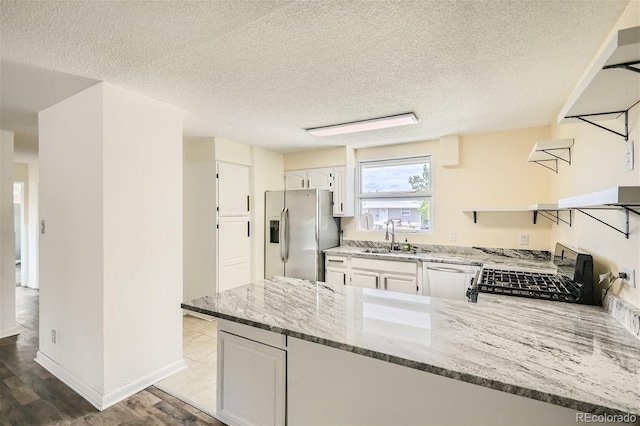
[393, 233]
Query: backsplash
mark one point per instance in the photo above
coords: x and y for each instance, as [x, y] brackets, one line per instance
[480, 252]
[626, 314]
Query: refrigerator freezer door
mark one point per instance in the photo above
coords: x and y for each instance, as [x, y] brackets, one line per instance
[274, 205]
[302, 221]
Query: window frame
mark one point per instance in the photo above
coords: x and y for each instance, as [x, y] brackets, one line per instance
[398, 195]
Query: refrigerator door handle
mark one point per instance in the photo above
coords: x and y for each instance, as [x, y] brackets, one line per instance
[286, 234]
[281, 235]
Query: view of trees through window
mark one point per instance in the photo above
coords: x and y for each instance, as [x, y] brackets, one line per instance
[398, 190]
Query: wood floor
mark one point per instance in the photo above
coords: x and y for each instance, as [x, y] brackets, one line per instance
[29, 395]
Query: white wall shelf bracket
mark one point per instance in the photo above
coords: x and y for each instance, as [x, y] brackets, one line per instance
[624, 135]
[627, 209]
[552, 215]
[549, 152]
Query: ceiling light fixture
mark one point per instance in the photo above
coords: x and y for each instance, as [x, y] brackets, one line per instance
[364, 125]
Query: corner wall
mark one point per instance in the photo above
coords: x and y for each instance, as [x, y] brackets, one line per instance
[111, 254]
[8, 326]
[598, 159]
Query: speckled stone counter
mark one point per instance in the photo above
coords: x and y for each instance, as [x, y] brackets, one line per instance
[479, 256]
[575, 356]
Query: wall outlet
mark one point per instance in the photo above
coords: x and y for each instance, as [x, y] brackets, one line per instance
[628, 156]
[53, 336]
[453, 236]
[524, 239]
[343, 231]
[630, 280]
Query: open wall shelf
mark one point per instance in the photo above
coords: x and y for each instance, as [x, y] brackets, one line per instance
[547, 210]
[545, 152]
[611, 87]
[624, 198]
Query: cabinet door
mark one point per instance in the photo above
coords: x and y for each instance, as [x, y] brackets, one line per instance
[446, 281]
[366, 279]
[335, 276]
[250, 382]
[400, 283]
[320, 179]
[234, 252]
[343, 191]
[233, 189]
[295, 179]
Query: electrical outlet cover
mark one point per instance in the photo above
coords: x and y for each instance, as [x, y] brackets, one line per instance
[524, 239]
[452, 236]
[628, 156]
[631, 276]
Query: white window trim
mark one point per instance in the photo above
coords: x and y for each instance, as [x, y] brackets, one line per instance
[402, 195]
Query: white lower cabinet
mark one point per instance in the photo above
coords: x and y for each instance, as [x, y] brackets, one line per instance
[336, 269]
[389, 275]
[251, 382]
[365, 279]
[400, 283]
[448, 281]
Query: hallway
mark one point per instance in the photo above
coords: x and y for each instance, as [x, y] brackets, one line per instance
[29, 395]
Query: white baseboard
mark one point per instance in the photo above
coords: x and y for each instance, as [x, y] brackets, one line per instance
[103, 401]
[8, 332]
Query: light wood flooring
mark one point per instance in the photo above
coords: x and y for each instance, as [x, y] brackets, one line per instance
[29, 395]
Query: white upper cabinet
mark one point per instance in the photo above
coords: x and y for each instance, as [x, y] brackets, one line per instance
[320, 179]
[339, 180]
[295, 179]
[343, 192]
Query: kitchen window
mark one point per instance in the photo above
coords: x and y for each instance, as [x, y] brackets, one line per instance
[398, 190]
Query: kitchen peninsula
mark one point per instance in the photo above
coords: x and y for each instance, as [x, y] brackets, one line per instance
[347, 355]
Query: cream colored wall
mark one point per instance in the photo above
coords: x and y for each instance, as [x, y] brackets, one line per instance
[339, 156]
[232, 152]
[267, 174]
[199, 186]
[200, 157]
[598, 159]
[493, 172]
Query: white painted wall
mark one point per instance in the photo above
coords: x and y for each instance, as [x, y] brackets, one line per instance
[21, 175]
[267, 174]
[598, 163]
[111, 257]
[71, 250]
[33, 230]
[142, 240]
[199, 218]
[8, 326]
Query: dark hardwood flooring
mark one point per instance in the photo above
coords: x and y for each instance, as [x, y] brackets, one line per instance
[29, 395]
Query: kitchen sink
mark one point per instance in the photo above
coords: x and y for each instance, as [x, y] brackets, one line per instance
[378, 251]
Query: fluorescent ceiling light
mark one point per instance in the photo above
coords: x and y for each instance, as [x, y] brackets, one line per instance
[364, 125]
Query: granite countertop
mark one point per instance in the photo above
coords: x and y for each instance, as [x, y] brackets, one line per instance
[478, 256]
[576, 356]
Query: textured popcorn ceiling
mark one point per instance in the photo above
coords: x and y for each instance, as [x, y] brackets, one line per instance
[261, 72]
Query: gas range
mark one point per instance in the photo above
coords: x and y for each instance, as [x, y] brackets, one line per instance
[572, 283]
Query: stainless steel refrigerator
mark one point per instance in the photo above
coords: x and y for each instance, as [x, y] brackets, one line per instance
[299, 226]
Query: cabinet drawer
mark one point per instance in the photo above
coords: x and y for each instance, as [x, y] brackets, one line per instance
[384, 265]
[263, 336]
[336, 262]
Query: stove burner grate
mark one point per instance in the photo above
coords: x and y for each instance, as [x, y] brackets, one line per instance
[536, 285]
